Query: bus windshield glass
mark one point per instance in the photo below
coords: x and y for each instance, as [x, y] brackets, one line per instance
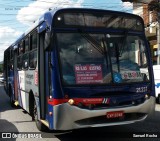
[102, 58]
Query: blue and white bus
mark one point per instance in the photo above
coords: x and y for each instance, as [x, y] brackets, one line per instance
[77, 68]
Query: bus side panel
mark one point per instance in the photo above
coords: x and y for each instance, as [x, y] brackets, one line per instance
[27, 85]
[21, 98]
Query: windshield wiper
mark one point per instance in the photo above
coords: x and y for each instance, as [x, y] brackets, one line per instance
[121, 49]
[92, 41]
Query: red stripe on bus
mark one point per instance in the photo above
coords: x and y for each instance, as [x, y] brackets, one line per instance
[84, 101]
[57, 101]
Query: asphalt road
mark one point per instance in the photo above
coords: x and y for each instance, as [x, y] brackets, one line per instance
[17, 120]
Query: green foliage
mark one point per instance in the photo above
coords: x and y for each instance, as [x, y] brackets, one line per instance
[1, 68]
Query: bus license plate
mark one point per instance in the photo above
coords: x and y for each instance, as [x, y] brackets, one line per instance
[115, 114]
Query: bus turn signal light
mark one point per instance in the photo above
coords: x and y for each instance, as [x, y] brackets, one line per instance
[50, 113]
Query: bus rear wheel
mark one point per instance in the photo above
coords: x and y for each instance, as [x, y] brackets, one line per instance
[39, 124]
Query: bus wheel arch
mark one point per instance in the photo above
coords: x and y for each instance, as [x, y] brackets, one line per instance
[33, 112]
[31, 104]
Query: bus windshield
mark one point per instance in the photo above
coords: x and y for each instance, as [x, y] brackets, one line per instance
[87, 58]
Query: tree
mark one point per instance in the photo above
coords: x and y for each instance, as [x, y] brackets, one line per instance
[1, 68]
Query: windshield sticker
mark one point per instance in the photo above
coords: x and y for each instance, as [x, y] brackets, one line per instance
[117, 77]
[88, 74]
[131, 75]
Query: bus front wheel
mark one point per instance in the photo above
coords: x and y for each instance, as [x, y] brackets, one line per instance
[39, 124]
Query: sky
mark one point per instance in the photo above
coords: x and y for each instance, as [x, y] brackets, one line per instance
[16, 16]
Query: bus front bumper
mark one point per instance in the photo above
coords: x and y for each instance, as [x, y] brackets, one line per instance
[67, 117]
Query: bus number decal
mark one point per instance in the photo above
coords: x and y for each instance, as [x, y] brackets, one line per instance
[141, 89]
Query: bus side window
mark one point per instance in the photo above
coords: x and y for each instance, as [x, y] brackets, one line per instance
[25, 61]
[26, 44]
[11, 65]
[33, 41]
[21, 48]
[33, 59]
[19, 63]
[11, 62]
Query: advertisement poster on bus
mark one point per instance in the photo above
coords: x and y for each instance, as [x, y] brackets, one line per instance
[88, 74]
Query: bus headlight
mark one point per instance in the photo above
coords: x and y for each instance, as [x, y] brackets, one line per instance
[71, 101]
[146, 96]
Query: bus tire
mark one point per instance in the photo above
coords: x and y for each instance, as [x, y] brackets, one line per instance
[39, 124]
[31, 104]
[158, 99]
